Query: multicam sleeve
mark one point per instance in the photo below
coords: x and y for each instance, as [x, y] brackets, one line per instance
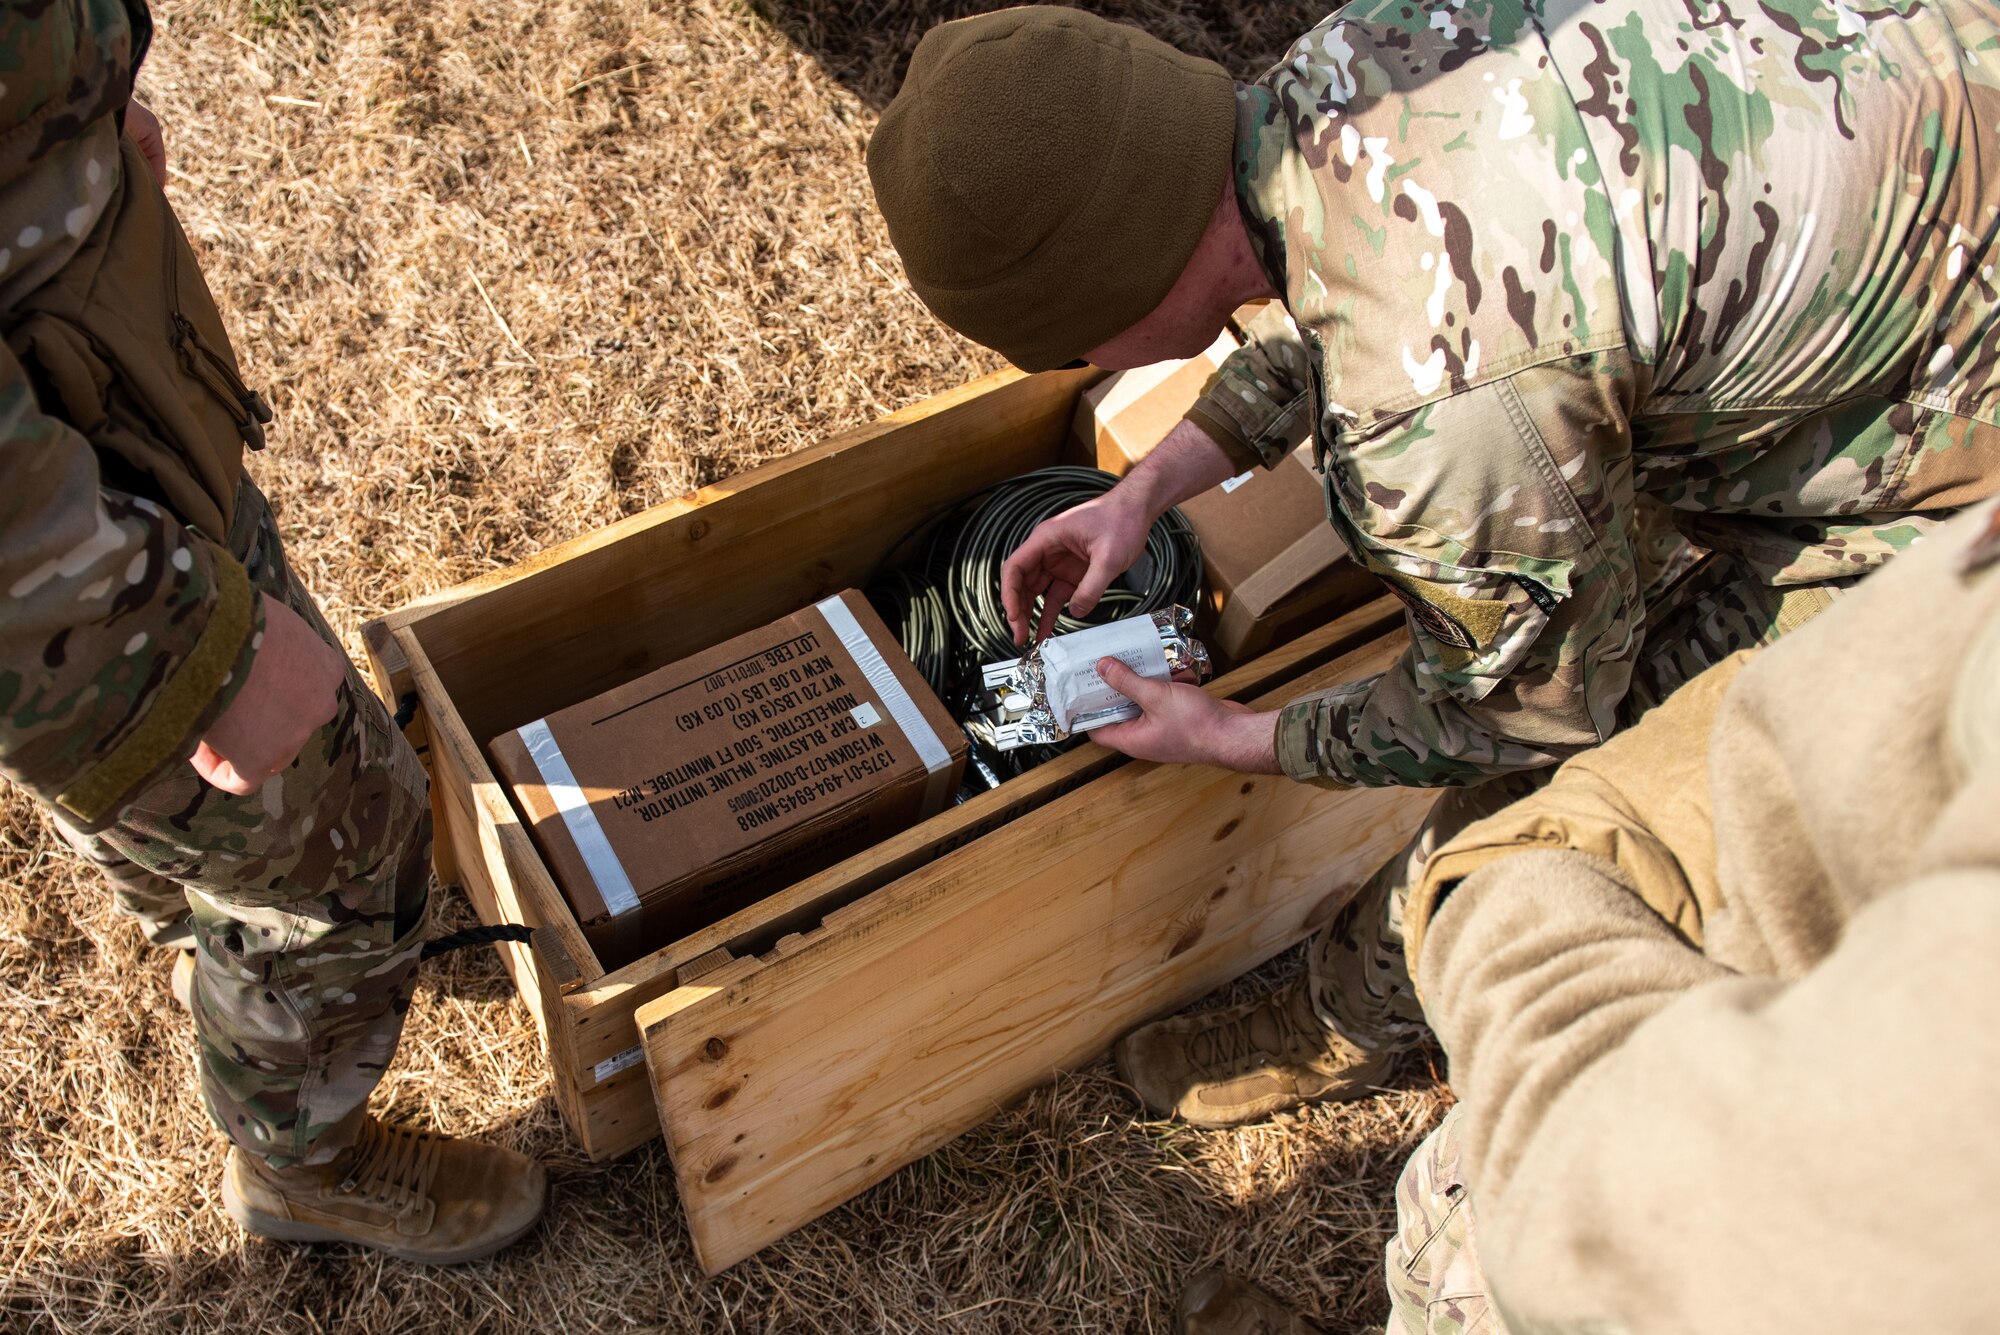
[123, 634]
[1388, 732]
[1259, 405]
[1503, 518]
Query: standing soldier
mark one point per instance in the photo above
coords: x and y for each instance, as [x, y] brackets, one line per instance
[1627, 332]
[170, 691]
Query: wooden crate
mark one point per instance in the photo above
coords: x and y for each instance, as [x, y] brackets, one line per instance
[810, 1045]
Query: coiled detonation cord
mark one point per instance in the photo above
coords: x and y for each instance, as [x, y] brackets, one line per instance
[966, 558]
[914, 610]
[945, 609]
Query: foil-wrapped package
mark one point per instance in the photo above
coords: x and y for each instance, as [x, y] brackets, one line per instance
[1053, 691]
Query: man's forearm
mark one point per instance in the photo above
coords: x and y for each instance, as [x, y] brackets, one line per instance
[1184, 464]
[1247, 743]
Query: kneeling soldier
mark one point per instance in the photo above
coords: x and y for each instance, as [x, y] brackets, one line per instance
[1627, 334]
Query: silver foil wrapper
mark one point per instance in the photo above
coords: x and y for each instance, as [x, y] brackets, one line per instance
[1053, 691]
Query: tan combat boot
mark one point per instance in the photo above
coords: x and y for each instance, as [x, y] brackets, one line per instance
[1242, 1063]
[416, 1195]
[1215, 1303]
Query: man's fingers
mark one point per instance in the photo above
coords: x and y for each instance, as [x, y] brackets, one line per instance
[144, 127]
[219, 773]
[1115, 735]
[1054, 600]
[1092, 585]
[1046, 564]
[156, 161]
[1142, 691]
[1022, 576]
[1015, 596]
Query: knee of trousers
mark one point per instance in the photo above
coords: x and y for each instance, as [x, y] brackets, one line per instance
[274, 955]
[1378, 908]
[278, 981]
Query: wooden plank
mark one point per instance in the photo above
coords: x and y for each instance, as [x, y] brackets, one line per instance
[618, 1112]
[788, 1086]
[503, 876]
[609, 606]
[514, 884]
[389, 667]
[496, 879]
[428, 606]
[387, 664]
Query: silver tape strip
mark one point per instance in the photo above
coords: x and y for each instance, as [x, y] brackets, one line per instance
[902, 708]
[623, 1061]
[613, 885]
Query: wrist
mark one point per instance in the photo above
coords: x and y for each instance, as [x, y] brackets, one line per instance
[1135, 500]
[1141, 494]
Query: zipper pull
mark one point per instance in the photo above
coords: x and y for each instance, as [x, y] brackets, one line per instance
[251, 409]
[260, 414]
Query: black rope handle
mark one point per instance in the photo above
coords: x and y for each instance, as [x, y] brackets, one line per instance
[478, 936]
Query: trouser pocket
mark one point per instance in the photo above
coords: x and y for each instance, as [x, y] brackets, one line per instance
[1436, 1284]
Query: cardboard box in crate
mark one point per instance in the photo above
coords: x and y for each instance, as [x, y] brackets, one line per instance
[806, 1047]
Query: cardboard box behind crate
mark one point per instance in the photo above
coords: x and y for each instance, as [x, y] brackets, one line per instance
[673, 800]
[1275, 567]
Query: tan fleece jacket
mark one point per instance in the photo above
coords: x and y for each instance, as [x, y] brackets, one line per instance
[1725, 1025]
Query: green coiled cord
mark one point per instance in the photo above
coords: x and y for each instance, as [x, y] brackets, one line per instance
[947, 613]
[966, 557]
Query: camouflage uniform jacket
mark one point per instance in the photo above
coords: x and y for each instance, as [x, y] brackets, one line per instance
[1553, 267]
[124, 632]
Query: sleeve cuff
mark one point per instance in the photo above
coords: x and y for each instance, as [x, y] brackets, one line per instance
[199, 688]
[1295, 746]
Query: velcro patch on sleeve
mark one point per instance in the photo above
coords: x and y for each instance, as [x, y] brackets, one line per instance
[1467, 624]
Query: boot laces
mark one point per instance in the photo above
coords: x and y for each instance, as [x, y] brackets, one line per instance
[1230, 1046]
[393, 1167]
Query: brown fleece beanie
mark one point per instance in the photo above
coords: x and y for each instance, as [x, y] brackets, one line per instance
[1046, 175]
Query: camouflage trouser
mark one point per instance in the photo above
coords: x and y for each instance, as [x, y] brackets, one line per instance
[304, 903]
[1360, 981]
[1435, 1284]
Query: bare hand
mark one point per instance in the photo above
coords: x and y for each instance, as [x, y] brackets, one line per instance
[1185, 725]
[144, 127]
[291, 694]
[1072, 559]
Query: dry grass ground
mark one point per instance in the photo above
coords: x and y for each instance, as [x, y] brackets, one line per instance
[509, 272]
